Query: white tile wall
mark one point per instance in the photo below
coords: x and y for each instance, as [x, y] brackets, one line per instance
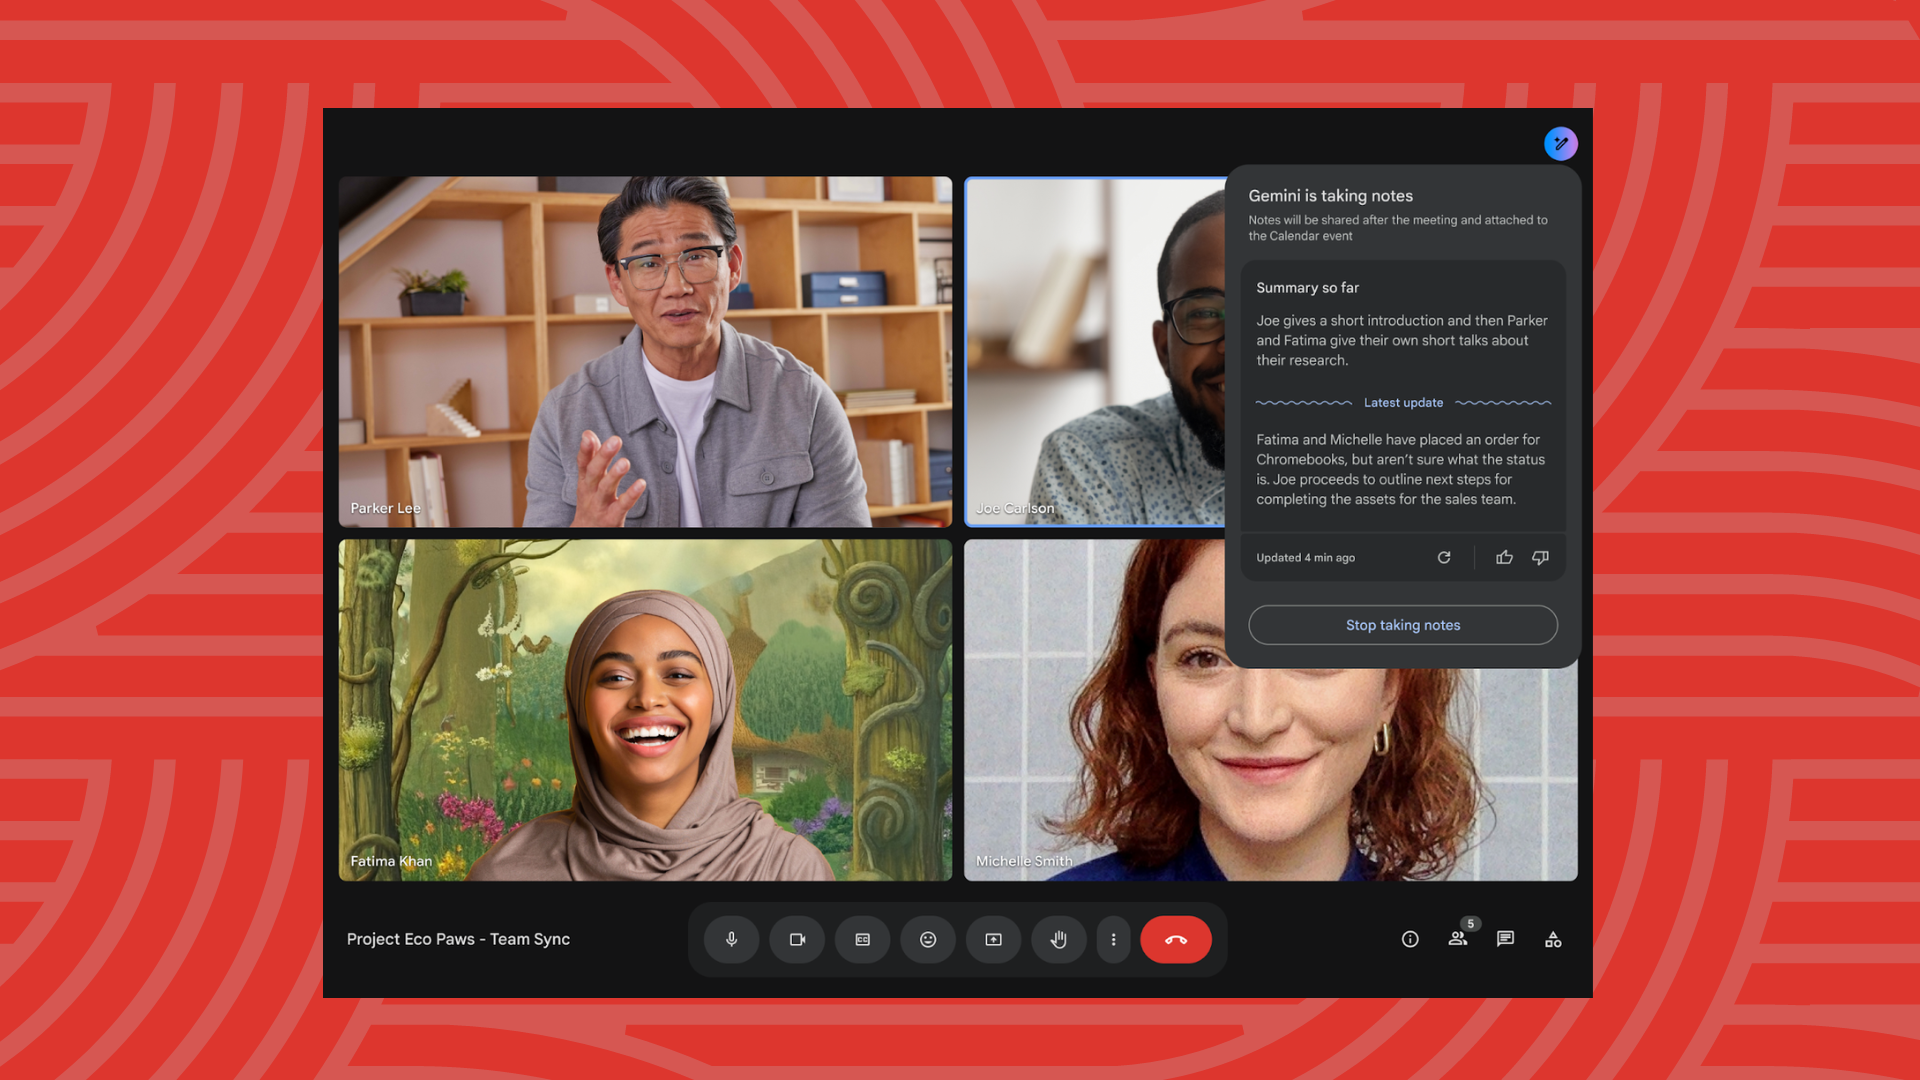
[1038, 614]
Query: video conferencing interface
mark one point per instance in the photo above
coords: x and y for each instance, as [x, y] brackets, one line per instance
[952, 585]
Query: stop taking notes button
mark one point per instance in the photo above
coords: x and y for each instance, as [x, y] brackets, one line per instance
[1176, 939]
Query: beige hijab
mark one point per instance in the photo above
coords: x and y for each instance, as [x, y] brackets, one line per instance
[718, 835]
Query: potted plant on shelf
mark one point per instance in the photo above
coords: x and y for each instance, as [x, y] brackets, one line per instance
[424, 295]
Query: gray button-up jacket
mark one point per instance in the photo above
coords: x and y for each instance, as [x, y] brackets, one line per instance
[777, 450]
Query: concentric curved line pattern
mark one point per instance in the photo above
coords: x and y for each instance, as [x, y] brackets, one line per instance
[83, 155]
[688, 1031]
[1685, 919]
[1363, 1045]
[1626, 889]
[1731, 1030]
[1755, 645]
[978, 53]
[188, 468]
[1692, 224]
[1687, 508]
[1612, 932]
[299, 996]
[219, 843]
[1463, 1040]
[165, 291]
[152, 157]
[1639, 167]
[742, 50]
[82, 835]
[825, 51]
[139, 872]
[902, 51]
[279, 871]
[156, 496]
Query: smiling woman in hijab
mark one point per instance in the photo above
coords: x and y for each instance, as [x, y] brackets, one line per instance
[650, 698]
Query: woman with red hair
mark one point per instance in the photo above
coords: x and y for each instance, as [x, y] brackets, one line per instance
[1198, 770]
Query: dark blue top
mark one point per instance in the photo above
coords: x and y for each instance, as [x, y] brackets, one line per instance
[1195, 863]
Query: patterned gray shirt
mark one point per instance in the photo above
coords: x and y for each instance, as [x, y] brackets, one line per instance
[1127, 465]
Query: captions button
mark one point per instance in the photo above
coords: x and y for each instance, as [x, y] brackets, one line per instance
[1176, 939]
[861, 939]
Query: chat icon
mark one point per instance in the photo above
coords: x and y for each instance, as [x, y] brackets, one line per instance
[1502, 937]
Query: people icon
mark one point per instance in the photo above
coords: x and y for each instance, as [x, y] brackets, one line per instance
[1459, 938]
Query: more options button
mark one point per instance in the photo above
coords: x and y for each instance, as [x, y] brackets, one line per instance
[1403, 624]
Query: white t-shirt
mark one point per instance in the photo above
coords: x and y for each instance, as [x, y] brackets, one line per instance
[685, 404]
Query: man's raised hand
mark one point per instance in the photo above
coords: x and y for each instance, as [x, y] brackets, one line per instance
[598, 501]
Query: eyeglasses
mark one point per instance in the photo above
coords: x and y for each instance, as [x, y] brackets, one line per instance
[1199, 320]
[698, 266]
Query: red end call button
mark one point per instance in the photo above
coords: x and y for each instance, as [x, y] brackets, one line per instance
[1176, 939]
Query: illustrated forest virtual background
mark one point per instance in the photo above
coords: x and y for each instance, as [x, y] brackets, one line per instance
[452, 718]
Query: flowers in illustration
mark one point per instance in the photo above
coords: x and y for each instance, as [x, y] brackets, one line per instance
[472, 814]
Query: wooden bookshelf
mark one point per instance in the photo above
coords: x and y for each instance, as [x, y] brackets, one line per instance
[913, 336]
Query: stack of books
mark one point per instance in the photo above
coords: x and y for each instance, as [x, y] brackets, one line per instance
[429, 483]
[876, 399]
[888, 467]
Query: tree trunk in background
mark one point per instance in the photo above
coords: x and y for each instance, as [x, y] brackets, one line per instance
[895, 599]
[366, 670]
[472, 704]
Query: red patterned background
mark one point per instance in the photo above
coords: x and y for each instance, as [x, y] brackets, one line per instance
[1757, 460]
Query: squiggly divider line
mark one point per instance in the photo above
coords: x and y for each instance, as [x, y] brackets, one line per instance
[1503, 403]
[1303, 403]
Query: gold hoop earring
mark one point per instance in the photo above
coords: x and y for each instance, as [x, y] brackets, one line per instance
[1383, 739]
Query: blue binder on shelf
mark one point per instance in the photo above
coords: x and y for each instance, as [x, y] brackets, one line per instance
[843, 288]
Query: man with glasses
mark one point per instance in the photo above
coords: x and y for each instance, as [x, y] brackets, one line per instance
[702, 424]
[1163, 461]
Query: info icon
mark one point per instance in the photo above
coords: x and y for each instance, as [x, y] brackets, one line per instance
[1562, 143]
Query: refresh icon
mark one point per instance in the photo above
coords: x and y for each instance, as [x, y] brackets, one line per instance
[1445, 557]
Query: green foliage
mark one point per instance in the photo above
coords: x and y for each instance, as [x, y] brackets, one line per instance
[905, 762]
[799, 801]
[542, 743]
[453, 281]
[375, 570]
[862, 678]
[359, 743]
[539, 684]
[946, 709]
[835, 835]
[795, 682]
